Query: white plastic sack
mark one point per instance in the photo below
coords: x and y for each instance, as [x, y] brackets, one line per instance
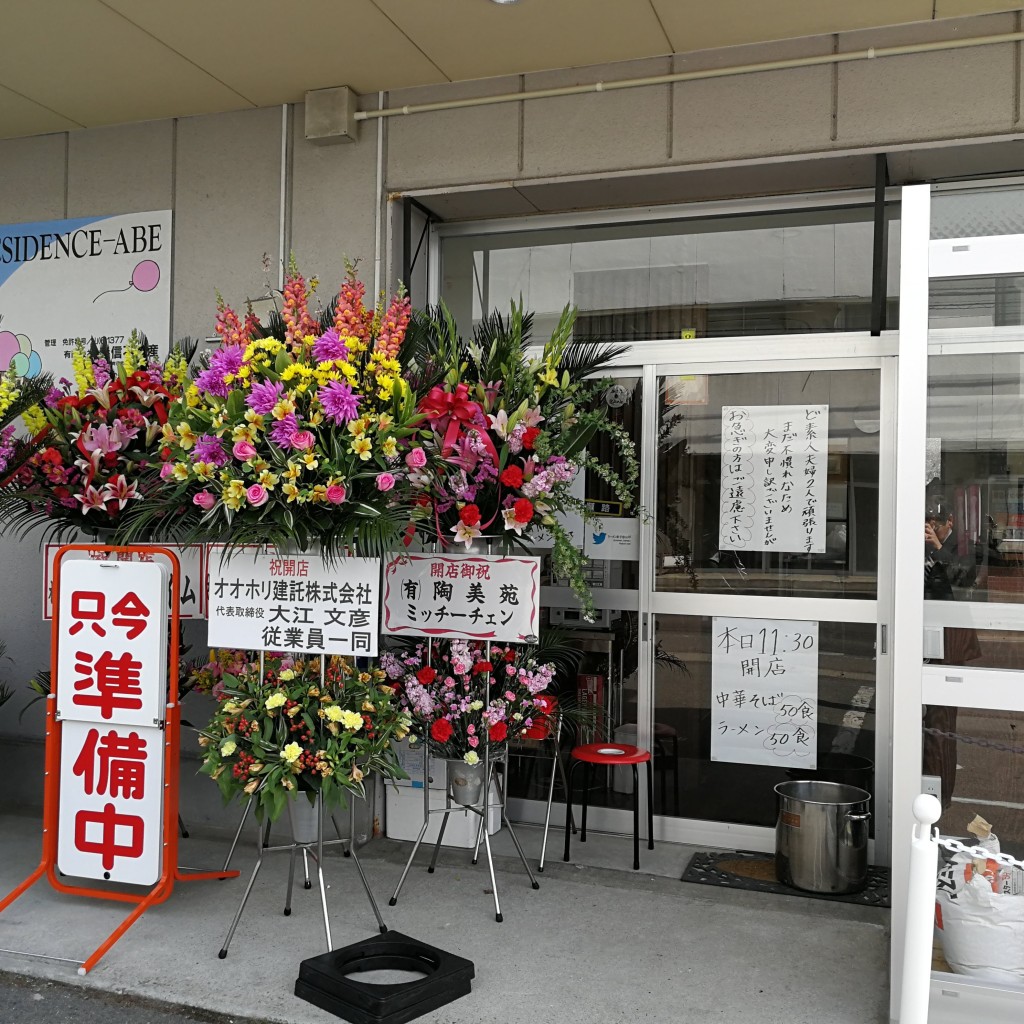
[982, 932]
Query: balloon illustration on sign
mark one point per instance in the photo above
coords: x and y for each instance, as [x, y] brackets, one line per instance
[145, 277]
[16, 354]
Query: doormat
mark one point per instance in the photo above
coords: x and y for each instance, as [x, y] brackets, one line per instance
[756, 872]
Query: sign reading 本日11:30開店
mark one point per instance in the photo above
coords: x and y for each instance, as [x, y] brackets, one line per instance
[764, 691]
[264, 601]
[111, 690]
[472, 597]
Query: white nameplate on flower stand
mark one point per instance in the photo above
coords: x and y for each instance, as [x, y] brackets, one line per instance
[265, 601]
[473, 597]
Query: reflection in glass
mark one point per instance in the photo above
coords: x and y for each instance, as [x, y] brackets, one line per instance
[976, 474]
[795, 271]
[689, 784]
[690, 491]
[987, 754]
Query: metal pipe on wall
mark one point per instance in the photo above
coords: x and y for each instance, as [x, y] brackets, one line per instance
[871, 53]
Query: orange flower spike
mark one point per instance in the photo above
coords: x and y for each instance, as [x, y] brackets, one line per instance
[393, 325]
[229, 327]
[295, 314]
[351, 317]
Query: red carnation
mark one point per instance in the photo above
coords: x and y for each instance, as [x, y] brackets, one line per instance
[523, 510]
[470, 515]
[482, 666]
[426, 675]
[512, 477]
[530, 437]
[441, 730]
[510, 655]
[498, 732]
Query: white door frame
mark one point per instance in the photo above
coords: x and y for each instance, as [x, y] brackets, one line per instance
[651, 359]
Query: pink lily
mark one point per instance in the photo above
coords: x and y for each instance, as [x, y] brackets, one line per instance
[102, 438]
[118, 489]
[92, 498]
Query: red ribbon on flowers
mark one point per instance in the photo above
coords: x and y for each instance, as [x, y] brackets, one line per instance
[448, 410]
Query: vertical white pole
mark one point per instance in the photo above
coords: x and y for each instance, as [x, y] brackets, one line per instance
[917, 945]
[908, 585]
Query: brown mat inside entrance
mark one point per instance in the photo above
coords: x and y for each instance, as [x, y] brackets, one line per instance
[756, 872]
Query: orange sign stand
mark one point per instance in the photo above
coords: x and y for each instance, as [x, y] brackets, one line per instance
[171, 872]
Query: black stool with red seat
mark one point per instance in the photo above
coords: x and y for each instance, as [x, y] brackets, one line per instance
[612, 755]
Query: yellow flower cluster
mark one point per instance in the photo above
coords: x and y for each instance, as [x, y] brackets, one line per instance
[134, 355]
[34, 419]
[82, 366]
[176, 367]
[9, 392]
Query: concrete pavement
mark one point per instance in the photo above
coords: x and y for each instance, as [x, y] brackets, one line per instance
[597, 943]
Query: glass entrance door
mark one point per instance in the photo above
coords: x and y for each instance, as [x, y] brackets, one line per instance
[765, 549]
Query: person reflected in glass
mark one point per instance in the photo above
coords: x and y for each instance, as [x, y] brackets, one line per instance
[948, 573]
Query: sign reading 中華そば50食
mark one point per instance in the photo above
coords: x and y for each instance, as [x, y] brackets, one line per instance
[94, 278]
[773, 478]
[475, 597]
[266, 601]
[111, 689]
[764, 691]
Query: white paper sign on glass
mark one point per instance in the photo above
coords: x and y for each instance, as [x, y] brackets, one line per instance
[191, 592]
[475, 597]
[111, 802]
[764, 691]
[112, 642]
[616, 538]
[774, 477]
[260, 600]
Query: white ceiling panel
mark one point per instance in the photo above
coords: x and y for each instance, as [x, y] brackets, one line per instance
[273, 52]
[83, 61]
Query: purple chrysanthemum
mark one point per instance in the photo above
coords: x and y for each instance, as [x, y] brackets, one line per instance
[210, 449]
[329, 347]
[339, 402]
[282, 430]
[212, 383]
[227, 360]
[263, 397]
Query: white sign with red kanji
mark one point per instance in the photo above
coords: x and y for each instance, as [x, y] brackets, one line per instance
[112, 642]
[111, 802]
[192, 570]
[476, 597]
[262, 600]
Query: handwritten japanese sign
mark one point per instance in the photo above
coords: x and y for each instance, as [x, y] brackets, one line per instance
[267, 601]
[476, 597]
[773, 478]
[764, 691]
[191, 596]
[111, 688]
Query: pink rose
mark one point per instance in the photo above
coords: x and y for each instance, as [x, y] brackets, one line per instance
[257, 495]
[416, 459]
[205, 500]
[166, 470]
[336, 494]
[385, 481]
[243, 451]
[302, 440]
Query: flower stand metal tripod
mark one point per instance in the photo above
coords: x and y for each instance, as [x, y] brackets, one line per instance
[481, 807]
[311, 847]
